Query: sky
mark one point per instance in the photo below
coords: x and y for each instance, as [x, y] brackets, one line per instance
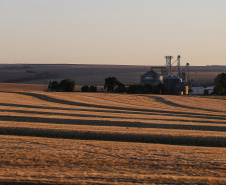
[124, 32]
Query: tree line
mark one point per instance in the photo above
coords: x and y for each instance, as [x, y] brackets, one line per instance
[66, 85]
[220, 84]
[113, 85]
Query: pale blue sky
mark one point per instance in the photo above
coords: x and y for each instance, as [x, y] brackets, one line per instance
[130, 32]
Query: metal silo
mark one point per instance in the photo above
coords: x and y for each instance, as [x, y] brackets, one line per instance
[150, 77]
[171, 84]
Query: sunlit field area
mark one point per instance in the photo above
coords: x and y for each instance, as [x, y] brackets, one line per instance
[104, 138]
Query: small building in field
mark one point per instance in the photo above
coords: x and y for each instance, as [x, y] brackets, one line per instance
[208, 90]
[197, 90]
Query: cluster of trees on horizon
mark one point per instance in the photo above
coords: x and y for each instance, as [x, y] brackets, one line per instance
[113, 85]
[66, 85]
[220, 84]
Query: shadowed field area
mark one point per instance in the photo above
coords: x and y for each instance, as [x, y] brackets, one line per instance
[102, 138]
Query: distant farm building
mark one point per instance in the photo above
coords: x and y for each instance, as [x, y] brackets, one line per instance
[202, 90]
[209, 90]
[174, 84]
[197, 90]
[150, 77]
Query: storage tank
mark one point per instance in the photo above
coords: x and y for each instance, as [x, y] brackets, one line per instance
[179, 89]
[186, 90]
[151, 77]
[170, 83]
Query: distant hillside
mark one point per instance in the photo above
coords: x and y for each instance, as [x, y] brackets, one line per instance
[91, 74]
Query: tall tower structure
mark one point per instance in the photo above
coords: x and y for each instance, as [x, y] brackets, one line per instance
[178, 65]
[187, 67]
[168, 65]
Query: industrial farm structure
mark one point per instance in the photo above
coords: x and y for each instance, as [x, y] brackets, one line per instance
[174, 79]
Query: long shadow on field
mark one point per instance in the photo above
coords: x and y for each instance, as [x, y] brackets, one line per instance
[170, 103]
[146, 111]
[116, 136]
[15, 182]
[111, 123]
[164, 101]
[104, 116]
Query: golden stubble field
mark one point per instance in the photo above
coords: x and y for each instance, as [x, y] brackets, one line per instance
[102, 138]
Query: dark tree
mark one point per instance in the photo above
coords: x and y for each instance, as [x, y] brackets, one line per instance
[93, 89]
[54, 86]
[147, 88]
[111, 83]
[120, 88]
[67, 85]
[139, 89]
[131, 89]
[161, 88]
[136, 89]
[85, 88]
[220, 83]
[158, 89]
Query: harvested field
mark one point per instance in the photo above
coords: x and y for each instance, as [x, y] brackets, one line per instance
[102, 138]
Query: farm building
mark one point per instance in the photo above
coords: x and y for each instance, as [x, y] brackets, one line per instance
[202, 90]
[197, 90]
[150, 77]
[208, 90]
[174, 85]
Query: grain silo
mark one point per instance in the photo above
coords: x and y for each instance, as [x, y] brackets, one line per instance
[150, 77]
[172, 84]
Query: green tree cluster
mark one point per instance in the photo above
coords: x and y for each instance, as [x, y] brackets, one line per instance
[220, 84]
[87, 88]
[112, 84]
[66, 85]
[145, 89]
